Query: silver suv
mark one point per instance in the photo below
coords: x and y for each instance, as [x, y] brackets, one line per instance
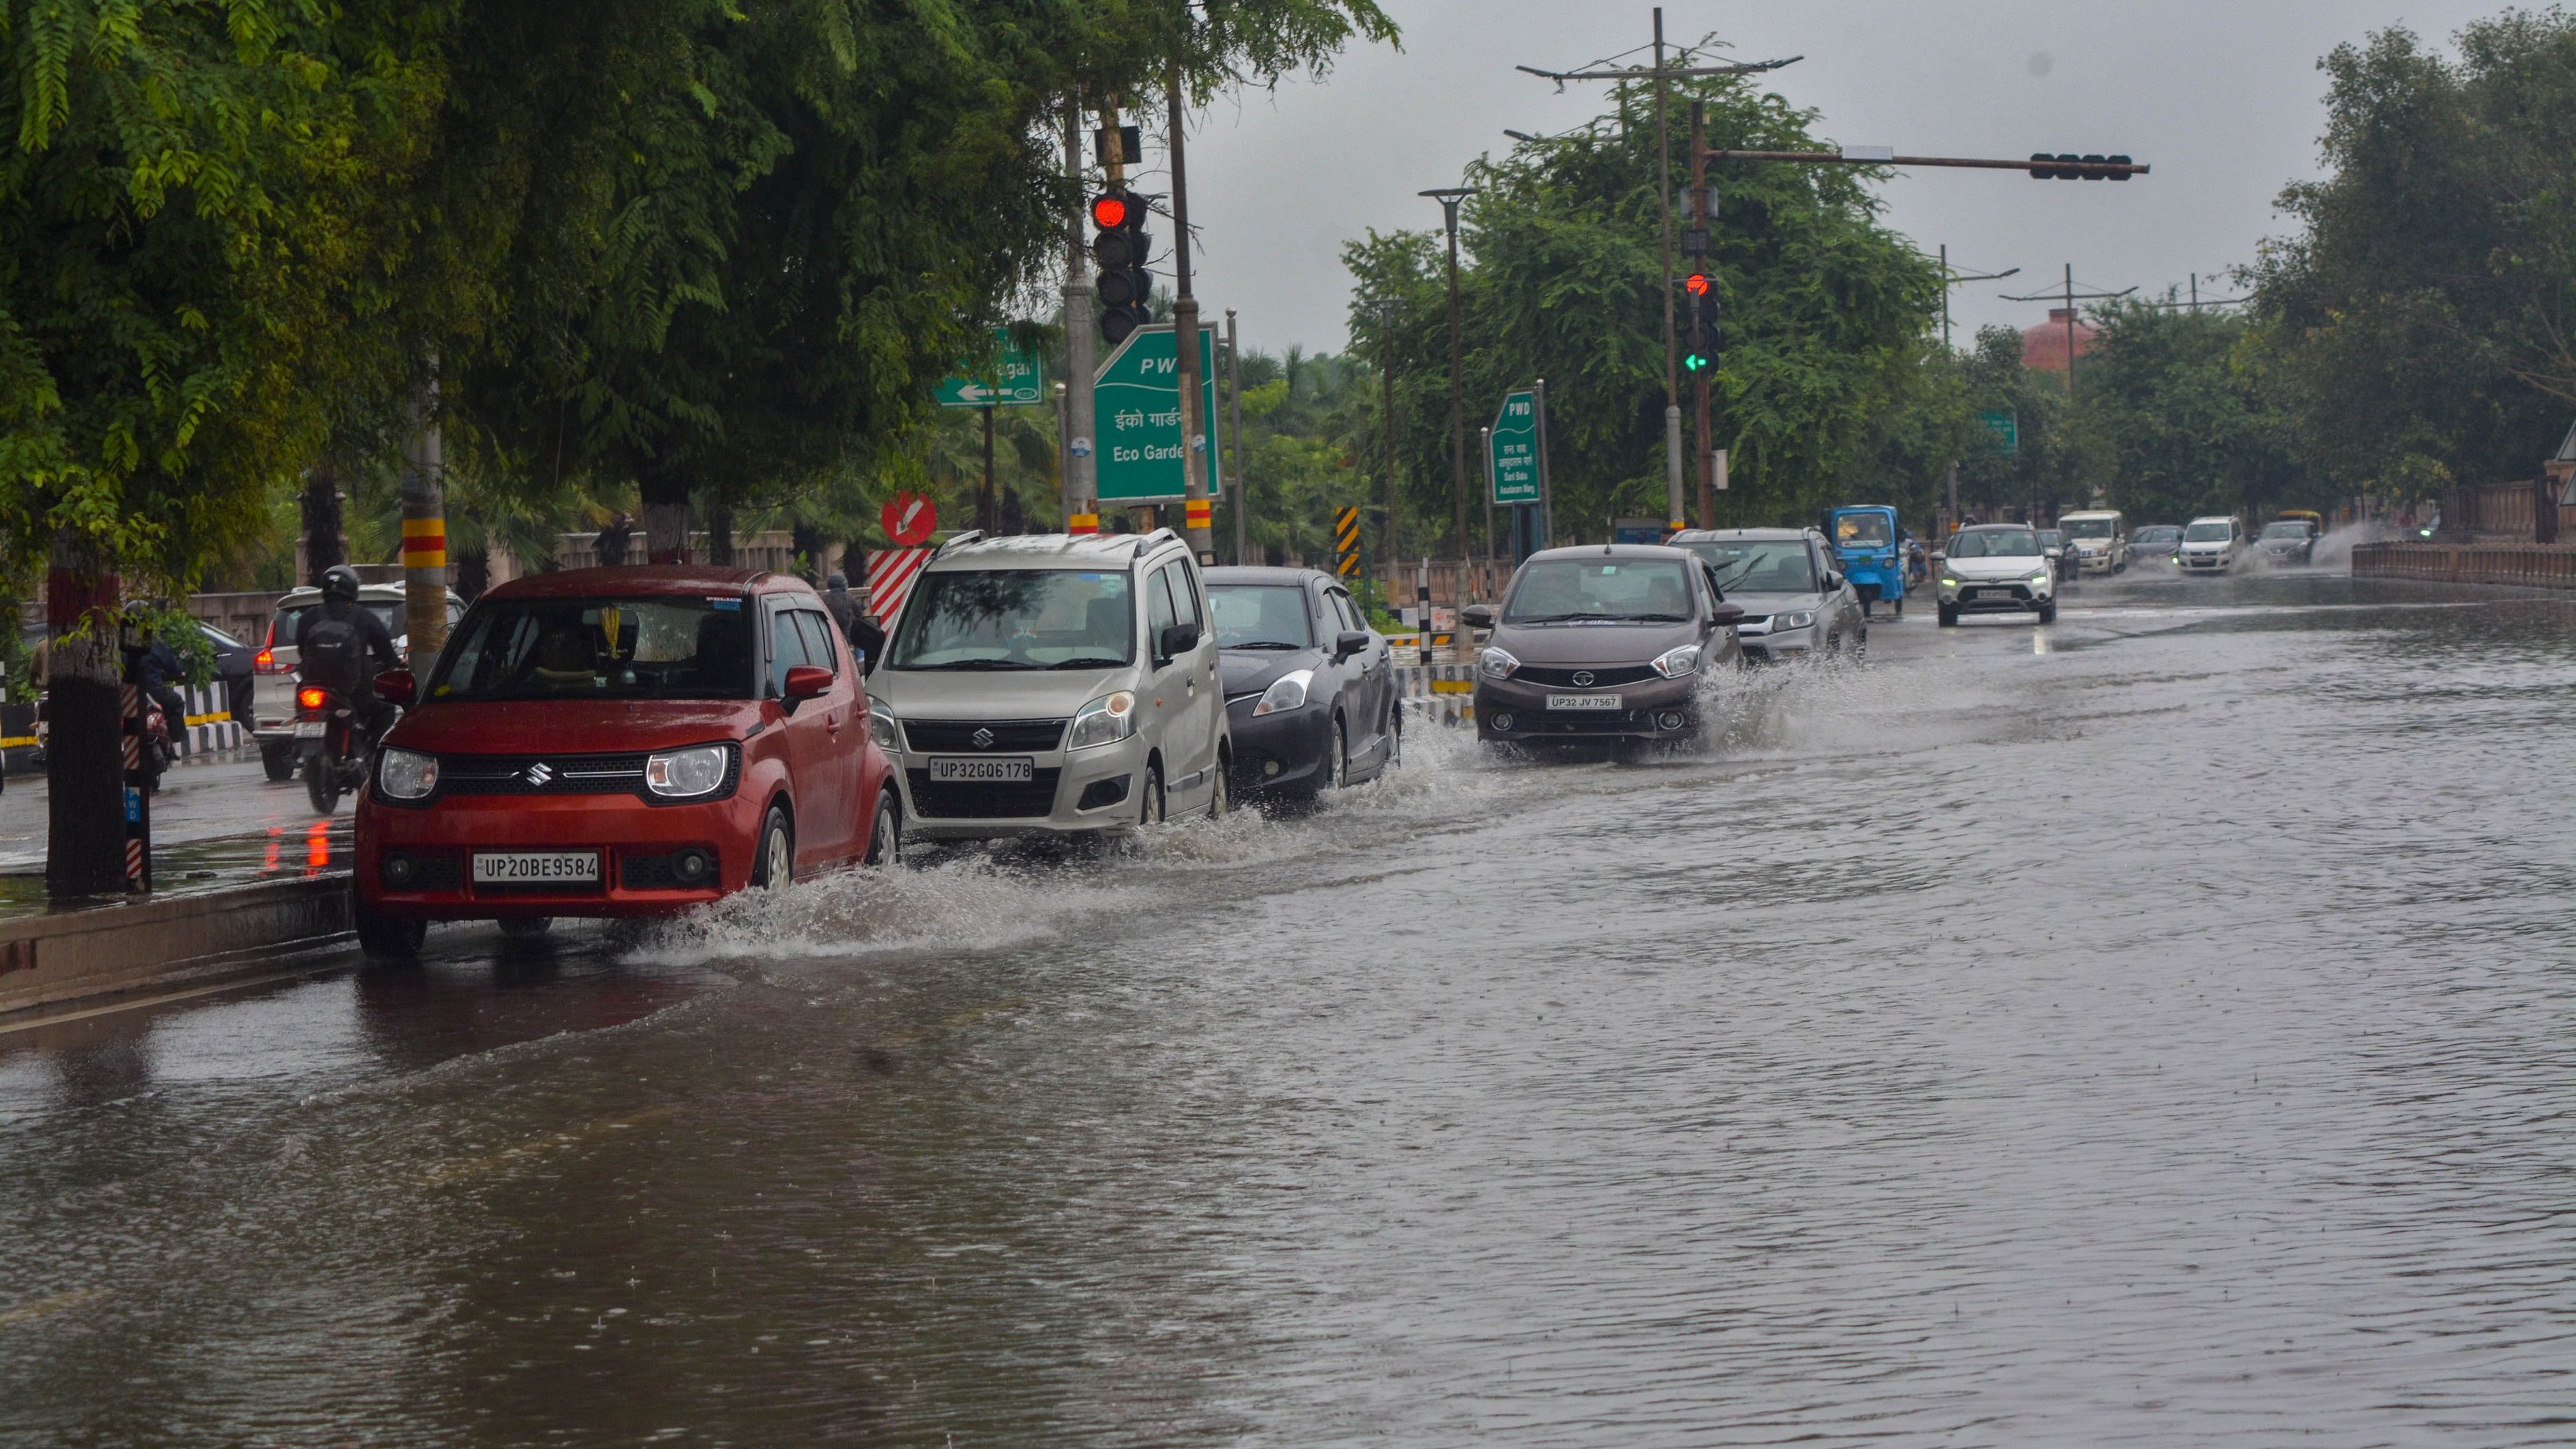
[1050, 685]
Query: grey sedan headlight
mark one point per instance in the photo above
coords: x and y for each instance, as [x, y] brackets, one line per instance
[1496, 663]
[682, 774]
[1285, 693]
[1798, 620]
[1674, 663]
[881, 728]
[406, 774]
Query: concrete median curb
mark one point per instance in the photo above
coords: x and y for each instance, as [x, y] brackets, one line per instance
[86, 956]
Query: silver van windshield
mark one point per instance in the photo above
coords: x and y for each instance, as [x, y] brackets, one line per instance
[1017, 619]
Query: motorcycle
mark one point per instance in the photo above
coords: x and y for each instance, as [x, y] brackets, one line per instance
[334, 753]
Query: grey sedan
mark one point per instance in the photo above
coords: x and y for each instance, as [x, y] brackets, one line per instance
[1796, 604]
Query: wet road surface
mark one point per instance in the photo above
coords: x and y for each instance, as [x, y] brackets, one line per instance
[2149, 1029]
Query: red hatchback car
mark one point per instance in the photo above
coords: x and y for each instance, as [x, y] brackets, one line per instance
[619, 742]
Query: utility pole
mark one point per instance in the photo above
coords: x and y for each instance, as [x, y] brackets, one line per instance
[1081, 470]
[424, 531]
[1234, 430]
[1659, 73]
[1185, 339]
[1449, 197]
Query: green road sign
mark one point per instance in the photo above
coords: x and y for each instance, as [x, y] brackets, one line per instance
[1136, 412]
[2007, 430]
[1511, 458]
[1018, 381]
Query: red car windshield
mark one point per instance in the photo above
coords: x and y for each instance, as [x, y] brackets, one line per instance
[647, 648]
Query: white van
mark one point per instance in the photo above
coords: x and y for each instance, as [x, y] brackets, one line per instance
[1053, 685]
[2100, 538]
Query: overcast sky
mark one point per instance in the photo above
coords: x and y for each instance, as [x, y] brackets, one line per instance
[2223, 99]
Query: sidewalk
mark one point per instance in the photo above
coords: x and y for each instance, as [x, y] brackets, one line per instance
[217, 823]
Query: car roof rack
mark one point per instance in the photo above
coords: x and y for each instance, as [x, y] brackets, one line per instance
[972, 535]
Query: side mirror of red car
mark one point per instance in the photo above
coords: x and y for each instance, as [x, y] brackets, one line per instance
[805, 681]
[396, 686]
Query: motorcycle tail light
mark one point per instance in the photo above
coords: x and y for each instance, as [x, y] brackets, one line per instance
[310, 699]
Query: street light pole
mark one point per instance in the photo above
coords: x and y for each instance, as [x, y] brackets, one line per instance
[1449, 197]
[1234, 429]
[1185, 339]
[1386, 405]
[1672, 364]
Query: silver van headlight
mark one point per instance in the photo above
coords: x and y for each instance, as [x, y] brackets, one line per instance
[1104, 721]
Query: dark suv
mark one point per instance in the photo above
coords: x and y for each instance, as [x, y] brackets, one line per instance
[1601, 643]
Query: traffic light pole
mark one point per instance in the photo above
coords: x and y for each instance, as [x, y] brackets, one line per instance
[1185, 340]
[1700, 378]
[1081, 471]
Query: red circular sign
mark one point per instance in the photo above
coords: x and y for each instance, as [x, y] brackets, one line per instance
[909, 519]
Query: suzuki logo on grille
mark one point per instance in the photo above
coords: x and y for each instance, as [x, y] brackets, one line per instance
[539, 773]
[983, 739]
[1583, 676]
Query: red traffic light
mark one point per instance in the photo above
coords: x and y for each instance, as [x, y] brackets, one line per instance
[1696, 284]
[1109, 211]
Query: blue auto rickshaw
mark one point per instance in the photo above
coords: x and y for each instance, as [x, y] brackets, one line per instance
[1870, 549]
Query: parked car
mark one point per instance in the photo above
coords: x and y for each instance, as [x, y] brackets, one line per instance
[274, 728]
[1795, 603]
[2288, 541]
[2210, 545]
[620, 742]
[2062, 559]
[2100, 538]
[1054, 685]
[1997, 568]
[1310, 696]
[2155, 543]
[1601, 643]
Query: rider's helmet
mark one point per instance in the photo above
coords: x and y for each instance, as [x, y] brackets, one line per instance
[340, 581]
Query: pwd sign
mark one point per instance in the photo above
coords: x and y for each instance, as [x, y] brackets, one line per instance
[1136, 415]
[1511, 465]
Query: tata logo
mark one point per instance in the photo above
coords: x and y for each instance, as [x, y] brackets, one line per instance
[539, 773]
[983, 739]
[1582, 677]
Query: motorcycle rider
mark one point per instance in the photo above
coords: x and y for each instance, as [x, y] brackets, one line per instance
[334, 643]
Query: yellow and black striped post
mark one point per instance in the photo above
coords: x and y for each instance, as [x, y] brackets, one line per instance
[1346, 541]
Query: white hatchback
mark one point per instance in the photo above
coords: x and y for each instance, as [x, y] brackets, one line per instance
[2210, 545]
[1053, 685]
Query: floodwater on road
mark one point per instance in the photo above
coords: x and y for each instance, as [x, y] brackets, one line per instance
[2151, 1028]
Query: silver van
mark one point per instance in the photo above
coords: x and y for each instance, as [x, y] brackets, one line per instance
[1053, 685]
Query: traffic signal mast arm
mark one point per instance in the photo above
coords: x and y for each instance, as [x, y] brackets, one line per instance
[2040, 166]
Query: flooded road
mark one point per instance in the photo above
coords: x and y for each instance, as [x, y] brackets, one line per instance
[2152, 1028]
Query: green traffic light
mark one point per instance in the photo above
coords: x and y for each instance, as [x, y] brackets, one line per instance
[1694, 362]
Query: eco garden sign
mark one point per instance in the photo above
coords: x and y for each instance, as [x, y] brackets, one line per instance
[1136, 414]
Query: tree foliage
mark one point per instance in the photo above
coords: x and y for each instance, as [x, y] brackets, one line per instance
[190, 211]
[2421, 328]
